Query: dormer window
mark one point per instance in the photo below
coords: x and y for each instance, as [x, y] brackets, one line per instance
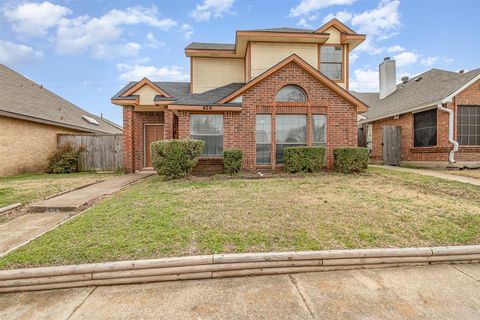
[331, 61]
[291, 93]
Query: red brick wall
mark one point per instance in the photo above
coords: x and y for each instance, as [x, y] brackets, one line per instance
[133, 141]
[471, 95]
[239, 128]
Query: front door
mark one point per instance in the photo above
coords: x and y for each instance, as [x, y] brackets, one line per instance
[153, 132]
[391, 145]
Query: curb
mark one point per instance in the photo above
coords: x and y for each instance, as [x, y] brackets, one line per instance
[227, 265]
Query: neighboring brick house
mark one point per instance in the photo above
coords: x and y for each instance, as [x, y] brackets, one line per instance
[425, 108]
[272, 89]
[31, 117]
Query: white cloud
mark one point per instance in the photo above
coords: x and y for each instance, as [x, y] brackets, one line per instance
[343, 16]
[153, 42]
[211, 8]
[431, 61]
[187, 31]
[80, 35]
[364, 80]
[136, 72]
[14, 54]
[396, 48]
[406, 58]
[303, 23]
[353, 58]
[34, 19]
[306, 7]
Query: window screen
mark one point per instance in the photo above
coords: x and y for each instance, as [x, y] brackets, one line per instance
[425, 128]
[264, 138]
[291, 131]
[468, 125]
[331, 62]
[208, 128]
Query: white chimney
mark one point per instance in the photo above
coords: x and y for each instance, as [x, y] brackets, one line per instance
[388, 77]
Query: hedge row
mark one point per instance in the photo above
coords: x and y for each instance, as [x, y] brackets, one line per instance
[175, 158]
[350, 160]
[232, 161]
[303, 159]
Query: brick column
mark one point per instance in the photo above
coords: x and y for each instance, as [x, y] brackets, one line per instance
[128, 139]
[168, 127]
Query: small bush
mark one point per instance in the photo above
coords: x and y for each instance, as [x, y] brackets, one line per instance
[175, 158]
[232, 161]
[65, 159]
[350, 160]
[303, 159]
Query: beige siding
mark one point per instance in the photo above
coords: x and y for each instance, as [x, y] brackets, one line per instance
[210, 73]
[25, 146]
[146, 95]
[265, 55]
[334, 35]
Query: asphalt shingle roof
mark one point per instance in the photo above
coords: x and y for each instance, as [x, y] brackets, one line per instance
[210, 97]
[425, 88]
[210, 46]
[23, 98]
[178, 90]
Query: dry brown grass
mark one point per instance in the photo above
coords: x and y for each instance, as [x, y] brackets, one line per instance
[473, 173]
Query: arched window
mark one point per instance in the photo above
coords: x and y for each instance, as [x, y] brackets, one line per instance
[291, 93]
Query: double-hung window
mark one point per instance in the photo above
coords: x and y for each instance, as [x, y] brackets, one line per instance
[291, 131]
[468, 125]
[425, 128]
[331, 61]
[209, 129]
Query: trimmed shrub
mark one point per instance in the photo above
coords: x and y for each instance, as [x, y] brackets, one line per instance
[350, 159]
[303, 159]
[232, 161]
[175, 158]
[65, 159]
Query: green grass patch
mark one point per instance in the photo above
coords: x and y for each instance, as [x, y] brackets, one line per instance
[156, 218]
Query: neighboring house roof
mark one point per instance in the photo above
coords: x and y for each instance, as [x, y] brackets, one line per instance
[424, 90]
[284, 29]
[361, 107]
[209, 97]
[22, 98]
[176, 90]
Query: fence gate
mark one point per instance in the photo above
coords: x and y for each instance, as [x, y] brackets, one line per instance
[391, 145]
[102, 152]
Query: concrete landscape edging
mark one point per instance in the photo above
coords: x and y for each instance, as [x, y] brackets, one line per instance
[227, 265]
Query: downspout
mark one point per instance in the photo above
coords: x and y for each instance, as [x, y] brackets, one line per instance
[451, 156]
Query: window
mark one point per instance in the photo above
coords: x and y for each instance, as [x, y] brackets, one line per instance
[425, 128]
[291, 131]
[370, 137]
[291, 93]
[319, 124]
[468, 125]
[264, 138]
[208, 128]
[331, 61]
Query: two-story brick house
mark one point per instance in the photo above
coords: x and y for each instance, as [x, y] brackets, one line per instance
[271, 89]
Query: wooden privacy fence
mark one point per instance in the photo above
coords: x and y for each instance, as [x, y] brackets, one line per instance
[102, 152]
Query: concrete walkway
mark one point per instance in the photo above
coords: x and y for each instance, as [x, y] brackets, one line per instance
[427, 292]
[22, 229]
[433, 173]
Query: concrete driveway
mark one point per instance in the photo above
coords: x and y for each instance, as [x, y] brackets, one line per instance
[427, 292]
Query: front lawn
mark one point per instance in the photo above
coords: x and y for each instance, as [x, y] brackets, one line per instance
[26, 188]
[472, 173]
[154, 218]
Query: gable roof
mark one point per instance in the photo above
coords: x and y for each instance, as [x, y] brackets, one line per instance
[149, 83]
[338, 25]
[361, 106]
[22, 98]
[174, 90]
[424, 90]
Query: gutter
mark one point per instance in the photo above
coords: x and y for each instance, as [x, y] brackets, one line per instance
[451, 156]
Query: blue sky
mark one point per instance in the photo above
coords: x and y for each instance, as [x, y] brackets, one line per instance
[86, 50]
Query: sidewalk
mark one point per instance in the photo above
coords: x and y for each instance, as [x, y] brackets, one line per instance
[56, 210]
[433, 173]
[427, 292]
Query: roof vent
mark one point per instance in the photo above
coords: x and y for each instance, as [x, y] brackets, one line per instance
[418, 79]
[461, 71]
[91, 120]
[404, 79]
